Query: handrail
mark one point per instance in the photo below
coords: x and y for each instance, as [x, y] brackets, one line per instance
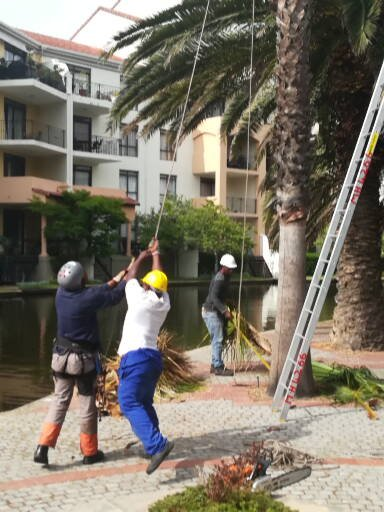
[30, 129]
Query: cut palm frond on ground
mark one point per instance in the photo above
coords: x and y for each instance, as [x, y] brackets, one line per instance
[240, 348]
[358, 385]
[177, 376]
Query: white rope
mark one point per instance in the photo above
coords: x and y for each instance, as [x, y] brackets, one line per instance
[182, 119]
[246, 178]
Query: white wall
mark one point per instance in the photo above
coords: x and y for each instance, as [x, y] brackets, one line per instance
[51, 168]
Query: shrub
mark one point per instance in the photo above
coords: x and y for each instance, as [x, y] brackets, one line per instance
[311, 262]
[195, 499]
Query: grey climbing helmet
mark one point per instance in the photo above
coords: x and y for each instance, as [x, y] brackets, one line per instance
[70, 275]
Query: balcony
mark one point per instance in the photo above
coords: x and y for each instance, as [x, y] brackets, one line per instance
[236, 205]
[32, 137]
[16, 70]
[91, 97]
[97, 150]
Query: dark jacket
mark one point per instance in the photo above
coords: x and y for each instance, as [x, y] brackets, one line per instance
[77, 310]
[217, 294]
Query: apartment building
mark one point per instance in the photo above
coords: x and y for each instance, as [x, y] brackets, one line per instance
[55, 98]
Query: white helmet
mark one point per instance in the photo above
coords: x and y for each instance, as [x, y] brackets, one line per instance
[70, 275]
[227, 260]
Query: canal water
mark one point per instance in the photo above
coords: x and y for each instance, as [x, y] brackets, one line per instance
[28, 324]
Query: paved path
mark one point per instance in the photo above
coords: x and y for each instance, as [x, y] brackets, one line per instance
[221, 420]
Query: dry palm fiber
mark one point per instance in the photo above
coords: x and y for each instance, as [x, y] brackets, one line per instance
[240, 348]
[358, 385]
[177, 372]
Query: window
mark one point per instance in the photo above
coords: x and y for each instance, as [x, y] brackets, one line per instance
[14, 54]
[81, 80]
[14, 165]
[82, 175]
[14, 229]
[15, 121]
[82, 127]
[166, 148]
[163, 186]
[207, 187]
[129, 182]
[129, 144]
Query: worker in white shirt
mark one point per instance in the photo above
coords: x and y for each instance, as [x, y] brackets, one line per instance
[141, 362]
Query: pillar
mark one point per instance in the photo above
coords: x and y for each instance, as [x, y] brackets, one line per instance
[43, 239]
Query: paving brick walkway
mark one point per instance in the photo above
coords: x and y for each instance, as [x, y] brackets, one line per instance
[221, 420]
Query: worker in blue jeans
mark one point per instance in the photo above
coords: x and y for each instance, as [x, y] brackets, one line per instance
[215, 313]
[141, 361]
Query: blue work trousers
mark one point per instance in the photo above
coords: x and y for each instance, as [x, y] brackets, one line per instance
[214, 323]
[138, 373]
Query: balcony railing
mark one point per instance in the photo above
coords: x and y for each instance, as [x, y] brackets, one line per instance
[32, 130]
[98, 144]
[13, 70]
[236, 205]
[94, 90]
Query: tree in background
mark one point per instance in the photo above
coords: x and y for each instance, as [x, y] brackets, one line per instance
[183, 226]
[79, 224]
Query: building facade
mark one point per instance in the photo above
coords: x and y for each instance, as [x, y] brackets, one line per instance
[55, 99]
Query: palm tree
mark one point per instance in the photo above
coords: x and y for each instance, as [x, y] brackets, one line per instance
[291, 140]
[158, 71]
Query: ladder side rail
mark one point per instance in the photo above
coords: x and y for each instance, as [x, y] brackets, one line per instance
[300, 334]
[346, 194]
[310, 328]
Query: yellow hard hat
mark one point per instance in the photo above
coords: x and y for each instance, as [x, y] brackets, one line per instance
[156, 279]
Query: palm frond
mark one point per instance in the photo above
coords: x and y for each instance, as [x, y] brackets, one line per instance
[177, 376]
[358, 385]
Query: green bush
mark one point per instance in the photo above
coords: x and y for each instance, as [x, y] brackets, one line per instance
[195, 499]
[311, 263]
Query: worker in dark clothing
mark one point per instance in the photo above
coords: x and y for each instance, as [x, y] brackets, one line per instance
[75, 358]
[215, 312]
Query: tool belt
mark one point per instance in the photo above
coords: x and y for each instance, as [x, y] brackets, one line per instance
[73, 358]
[79, 347]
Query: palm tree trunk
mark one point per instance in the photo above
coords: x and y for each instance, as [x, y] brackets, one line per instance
[291, 294]
[358, 320]
[292, 156]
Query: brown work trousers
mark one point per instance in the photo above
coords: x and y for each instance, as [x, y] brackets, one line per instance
[64, 387]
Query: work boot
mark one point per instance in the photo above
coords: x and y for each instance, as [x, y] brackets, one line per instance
[158, 458]
[222, 371]
[41, 454]
[212, 370]
[93, 459]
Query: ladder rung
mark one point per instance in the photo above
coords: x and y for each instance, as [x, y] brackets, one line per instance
[341, 211]
[310, 311]
[332, 236]
[325, 261]
[367, 134]
[317, 286]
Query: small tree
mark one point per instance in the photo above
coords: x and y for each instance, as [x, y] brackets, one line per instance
[172, 225]
[184, 226]
[79, 224]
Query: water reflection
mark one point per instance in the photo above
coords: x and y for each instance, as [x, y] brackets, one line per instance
[28, 324]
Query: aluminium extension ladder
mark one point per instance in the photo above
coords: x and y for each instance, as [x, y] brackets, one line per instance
[330, 252]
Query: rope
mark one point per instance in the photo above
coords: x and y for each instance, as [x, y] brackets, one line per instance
[182, 119]
[246, 178]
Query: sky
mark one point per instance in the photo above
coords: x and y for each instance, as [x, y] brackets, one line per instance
[61, 18]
